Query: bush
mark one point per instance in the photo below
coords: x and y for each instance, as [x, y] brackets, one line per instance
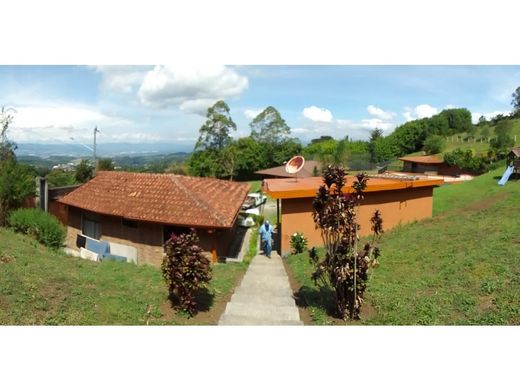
[467, 160]
[185, 269]
[345, 267]
[42, 226]
[434, 144]
[298, 243]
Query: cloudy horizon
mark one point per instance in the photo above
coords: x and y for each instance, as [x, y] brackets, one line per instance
[167, 104]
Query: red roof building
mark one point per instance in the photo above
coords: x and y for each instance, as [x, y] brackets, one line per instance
[143, 209]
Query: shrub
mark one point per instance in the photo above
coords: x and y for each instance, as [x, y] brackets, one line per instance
[298, 243]
[42, 226]
[434, 144]
[345, 268]
[467, 160]
[185, 269]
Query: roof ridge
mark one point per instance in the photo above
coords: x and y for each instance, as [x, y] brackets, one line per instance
[200, 202]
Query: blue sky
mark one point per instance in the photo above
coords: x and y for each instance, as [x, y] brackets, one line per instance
[166, 104]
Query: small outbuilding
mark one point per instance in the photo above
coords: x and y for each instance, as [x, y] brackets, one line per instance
[400, 201]
[432, 165]
[142, 210]
[513, 157]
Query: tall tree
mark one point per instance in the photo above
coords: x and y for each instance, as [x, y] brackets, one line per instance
[516, 99]
[214, 133]
[7, 147]
[269, 127]
[16, 180]
[210, 157]
[374, 136]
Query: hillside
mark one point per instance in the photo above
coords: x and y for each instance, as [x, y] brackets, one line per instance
[460, 267]
[41, 286]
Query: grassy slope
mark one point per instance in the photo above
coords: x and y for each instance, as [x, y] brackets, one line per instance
[460, 267]
[46, 287]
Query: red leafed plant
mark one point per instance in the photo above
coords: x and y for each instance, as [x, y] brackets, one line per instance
[185, 269]
[345, 268]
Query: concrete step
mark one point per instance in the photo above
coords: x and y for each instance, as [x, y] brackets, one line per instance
[268, 279]
[228, 319]
[262, 290]
[264, 311]
[282, 300]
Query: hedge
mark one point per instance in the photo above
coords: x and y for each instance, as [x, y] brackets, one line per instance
[37, 223]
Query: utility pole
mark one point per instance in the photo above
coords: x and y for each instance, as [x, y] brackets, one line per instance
[94, 149]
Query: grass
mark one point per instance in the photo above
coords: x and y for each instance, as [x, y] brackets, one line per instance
[255, 185]
[460, 267]
[42, 286]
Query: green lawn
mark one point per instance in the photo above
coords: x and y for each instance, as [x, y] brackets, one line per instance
[42, 286]
[460, 267]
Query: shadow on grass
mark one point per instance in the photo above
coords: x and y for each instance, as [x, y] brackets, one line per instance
[203, 298]
[322, 297]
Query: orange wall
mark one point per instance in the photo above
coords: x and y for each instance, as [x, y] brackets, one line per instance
[399, 206]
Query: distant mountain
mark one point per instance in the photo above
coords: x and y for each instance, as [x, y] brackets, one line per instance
[103, 150]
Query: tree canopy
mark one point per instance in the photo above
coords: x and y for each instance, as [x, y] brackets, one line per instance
[269, 127]
[215, 132]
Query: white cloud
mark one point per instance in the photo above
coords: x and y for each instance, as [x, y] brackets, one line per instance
[379, 113]
[252, 113]
[189, 87]
[488, 115]
[121, 79]
[301, 130]
[61, 121]
[420, 111]
[317, 114]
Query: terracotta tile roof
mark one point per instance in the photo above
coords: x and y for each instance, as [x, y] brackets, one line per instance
[307, 170]
[307, 187]
[161, 198]
[422, 159]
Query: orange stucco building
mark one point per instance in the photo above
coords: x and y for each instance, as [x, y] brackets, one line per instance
[399, 200]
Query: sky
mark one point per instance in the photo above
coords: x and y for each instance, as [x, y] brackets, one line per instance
[167, 104]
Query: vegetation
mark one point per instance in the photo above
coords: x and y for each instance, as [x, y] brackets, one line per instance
[61, 178]
[84, 171]
[186, 270]
[39, 286]
[434, 144]
[105, 164]
[16, 180]
[467, 160]
[298, 243]
[345, 267]
[44, 227]
[458, 268]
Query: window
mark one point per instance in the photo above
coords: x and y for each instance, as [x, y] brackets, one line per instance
[129, 223]
[91, 225]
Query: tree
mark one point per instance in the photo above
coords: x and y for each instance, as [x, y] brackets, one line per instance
[61, 178]
[384, 150]
[209, 156]
[285, 150]
[84, 171]
[214, 133]
[105, 164]
[374, 136]
[250, 158]
[434, 144]
[503, 139]
[516, 99]
[269, 127]
[320, 150]
[345, 266]
[16, 185]
[7, 147]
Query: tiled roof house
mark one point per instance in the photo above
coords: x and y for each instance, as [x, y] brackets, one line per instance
[143, 209]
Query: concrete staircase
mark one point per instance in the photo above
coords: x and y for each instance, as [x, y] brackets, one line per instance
[264, 297]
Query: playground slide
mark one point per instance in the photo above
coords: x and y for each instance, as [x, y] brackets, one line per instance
[505, 176]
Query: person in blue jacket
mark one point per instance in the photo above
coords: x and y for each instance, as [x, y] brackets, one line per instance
[266, 235]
